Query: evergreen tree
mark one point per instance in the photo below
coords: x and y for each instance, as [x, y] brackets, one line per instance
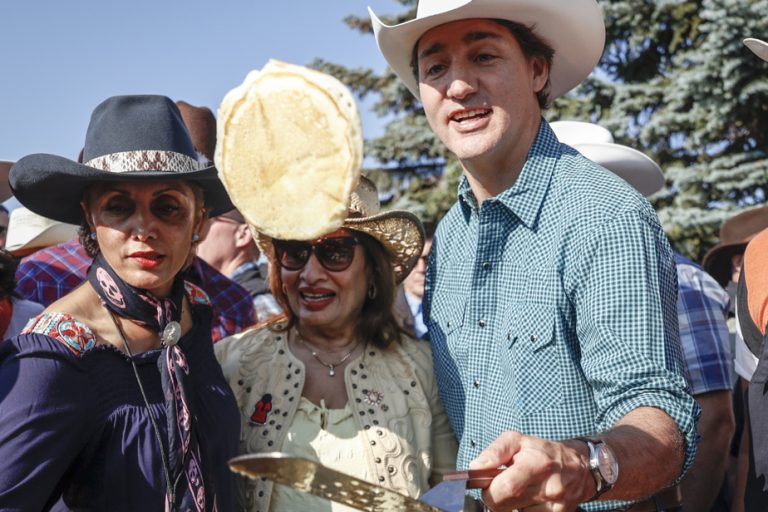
[677, 83]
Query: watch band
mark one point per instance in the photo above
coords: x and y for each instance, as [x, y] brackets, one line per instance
[601, 484]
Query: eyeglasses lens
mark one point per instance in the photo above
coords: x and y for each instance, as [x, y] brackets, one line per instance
[335, 254]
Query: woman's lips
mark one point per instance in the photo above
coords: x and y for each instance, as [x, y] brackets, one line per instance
[148, 259]
[316, 299]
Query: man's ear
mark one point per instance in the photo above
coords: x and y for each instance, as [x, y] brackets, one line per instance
[540, 69]
[243, 236]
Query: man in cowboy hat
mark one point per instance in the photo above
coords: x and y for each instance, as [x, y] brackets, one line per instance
[551, 286]
[702, 308]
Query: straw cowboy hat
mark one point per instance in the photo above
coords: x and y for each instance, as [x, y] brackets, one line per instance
[128, 138]
[735, 234]
[399, 231]
[573, 28]
[5, 188]
[758, 47]
[596, 143]
[28, 232]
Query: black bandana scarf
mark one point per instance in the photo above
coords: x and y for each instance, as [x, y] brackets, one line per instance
[137, 305]
[143, 308]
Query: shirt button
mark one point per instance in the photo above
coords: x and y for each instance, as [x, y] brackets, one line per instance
[486, 265]
[534, 338]
[477, 383]
[481, 323]
[472, 443]
[448, 323]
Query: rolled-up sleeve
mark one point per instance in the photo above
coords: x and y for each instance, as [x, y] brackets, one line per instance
[625, 293]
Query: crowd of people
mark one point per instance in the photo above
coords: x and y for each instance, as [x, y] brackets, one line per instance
[544, 326]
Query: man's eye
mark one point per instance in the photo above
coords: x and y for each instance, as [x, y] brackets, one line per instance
[433, 69]
[485, 57]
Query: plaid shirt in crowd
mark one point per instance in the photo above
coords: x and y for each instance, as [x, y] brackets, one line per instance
[552, 308]
[48, 274]
[702, 308]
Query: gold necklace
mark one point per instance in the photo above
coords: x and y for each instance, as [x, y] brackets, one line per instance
[331, 367]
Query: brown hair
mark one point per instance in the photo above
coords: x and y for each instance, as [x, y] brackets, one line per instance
[91, 246]
[531, 45]
[377, 322]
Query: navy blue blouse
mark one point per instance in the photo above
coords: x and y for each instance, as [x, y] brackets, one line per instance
[75, 433]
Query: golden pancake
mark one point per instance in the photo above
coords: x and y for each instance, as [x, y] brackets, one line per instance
[289, 150]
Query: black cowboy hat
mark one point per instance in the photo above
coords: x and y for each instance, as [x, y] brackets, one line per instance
[128, 138]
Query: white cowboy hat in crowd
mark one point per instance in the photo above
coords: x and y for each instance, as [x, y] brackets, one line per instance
[28, 231]
[758, 47]
[596, 143]
[573, 28]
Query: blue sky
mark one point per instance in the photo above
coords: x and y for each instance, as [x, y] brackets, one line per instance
[61, 58]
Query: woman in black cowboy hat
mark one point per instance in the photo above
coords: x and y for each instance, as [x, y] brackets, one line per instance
[112, 399]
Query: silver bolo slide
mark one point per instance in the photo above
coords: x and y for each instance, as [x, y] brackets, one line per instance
[314, 478]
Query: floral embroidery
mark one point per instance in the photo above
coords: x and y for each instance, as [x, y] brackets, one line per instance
[77, 337]
[196, 295]
[372, 397]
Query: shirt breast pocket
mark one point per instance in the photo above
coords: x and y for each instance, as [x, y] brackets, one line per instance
[532, 354]
[446, 322]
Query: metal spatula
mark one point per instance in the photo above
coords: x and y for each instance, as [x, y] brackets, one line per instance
[314, 478]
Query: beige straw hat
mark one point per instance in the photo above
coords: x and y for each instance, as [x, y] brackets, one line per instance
[399, 231]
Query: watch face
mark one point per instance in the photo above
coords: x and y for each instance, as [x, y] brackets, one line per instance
[607, 464]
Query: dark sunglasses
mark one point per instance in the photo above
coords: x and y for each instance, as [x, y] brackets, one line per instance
[334, 254]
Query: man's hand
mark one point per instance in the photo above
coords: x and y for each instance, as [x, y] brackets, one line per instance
[541, 475]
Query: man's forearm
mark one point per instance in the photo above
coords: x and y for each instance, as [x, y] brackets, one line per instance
[716, 425]
[650, 450]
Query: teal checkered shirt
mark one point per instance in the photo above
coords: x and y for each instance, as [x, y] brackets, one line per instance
[552, 307]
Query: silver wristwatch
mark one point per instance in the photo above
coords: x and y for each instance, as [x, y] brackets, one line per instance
[603, 465]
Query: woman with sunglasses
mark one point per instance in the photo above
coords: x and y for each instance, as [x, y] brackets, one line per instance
[112, 399]
[336, 381]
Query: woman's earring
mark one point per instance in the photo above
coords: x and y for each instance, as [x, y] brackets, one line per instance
[92, 235]
[195, 237]
[372, 291]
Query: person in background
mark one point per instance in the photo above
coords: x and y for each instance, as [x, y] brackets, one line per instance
[29, 232]
[112, 398]
[702, 310]
[50, 273]
[229, 247]
[15, 312]
[408, 303]
[551, 287]
[334, 381]
[751, 494]
[723, 261]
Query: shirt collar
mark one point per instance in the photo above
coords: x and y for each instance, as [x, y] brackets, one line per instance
[245, 267]
[526, 196]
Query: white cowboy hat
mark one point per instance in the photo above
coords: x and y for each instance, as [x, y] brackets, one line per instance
[758, 47]
[28, 231]
[573, 28]
[596, 143]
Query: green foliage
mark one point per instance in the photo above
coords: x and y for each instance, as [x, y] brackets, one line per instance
[677, 83]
